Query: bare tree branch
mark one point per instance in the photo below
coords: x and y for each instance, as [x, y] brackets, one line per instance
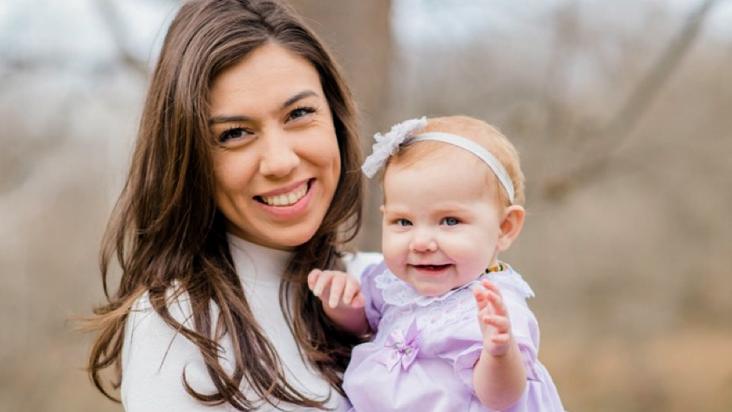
[118, 30]
[620, 127]
[566, 31]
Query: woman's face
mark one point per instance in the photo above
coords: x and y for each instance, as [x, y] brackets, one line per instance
[277, 163]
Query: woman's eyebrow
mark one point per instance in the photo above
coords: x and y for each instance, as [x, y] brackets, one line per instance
[227, 119]
[303, 94]
[242, 118]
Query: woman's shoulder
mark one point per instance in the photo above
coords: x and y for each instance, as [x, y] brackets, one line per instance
[357, 263]
[155, 354]
[147, 328]
[177, 303]
[143, 316]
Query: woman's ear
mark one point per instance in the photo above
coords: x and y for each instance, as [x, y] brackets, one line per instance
[511, 225]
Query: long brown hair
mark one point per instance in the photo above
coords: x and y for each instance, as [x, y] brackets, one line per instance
[167, 234]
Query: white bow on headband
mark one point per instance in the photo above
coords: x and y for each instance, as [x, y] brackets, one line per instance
[404, 132]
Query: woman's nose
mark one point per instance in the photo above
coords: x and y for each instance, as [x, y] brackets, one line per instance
[278, 158]
[423, 241]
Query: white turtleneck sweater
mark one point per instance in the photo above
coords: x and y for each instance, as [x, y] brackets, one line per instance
[154, 355]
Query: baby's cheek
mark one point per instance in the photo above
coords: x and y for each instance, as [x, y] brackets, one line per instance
[394, 254]
[472, 255]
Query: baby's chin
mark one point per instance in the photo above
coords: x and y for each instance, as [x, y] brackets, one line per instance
[421, 284]
[430, 290]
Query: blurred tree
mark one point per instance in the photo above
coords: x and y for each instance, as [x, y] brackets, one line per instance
[359, 33]
[606, 140]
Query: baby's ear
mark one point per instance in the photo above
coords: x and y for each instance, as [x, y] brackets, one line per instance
[511, 225]
[381, 208]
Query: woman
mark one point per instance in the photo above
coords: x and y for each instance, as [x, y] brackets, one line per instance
[244, 177]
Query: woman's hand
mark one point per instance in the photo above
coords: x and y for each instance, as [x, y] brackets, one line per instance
[493, 318]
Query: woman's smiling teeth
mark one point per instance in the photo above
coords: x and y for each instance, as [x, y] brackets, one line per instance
[286, 199]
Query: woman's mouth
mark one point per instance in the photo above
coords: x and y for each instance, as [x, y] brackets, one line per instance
[288, 198]
[289, 202]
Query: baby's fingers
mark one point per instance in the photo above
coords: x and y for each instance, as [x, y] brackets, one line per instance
[487, 284]
[313, 278]
[351, 291]
[499, 344]
[358, 301]
[481, 297]
[500, 323]
[496, 303]
[493, 296]
[501, 339]
[336, 290]
[322, 282]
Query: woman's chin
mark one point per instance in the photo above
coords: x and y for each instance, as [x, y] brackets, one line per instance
[289, 242]
[285, 238]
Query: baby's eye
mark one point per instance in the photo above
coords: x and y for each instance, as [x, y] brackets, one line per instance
[233, 134]
[300, 112]
[450, 221]
[402, 222]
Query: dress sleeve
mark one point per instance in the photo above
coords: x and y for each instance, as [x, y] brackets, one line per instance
[525, 331]
[154, 358]
[372, 295]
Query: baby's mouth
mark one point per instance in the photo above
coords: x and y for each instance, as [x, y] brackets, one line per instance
[431, 268]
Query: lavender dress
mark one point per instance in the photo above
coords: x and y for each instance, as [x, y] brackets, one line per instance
[422, 356]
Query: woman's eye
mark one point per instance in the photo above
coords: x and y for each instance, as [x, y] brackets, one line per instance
[300, 112]
[233, 133]
[402, 222]
[450, 221]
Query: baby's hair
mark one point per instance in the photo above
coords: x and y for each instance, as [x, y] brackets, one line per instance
[478, 131]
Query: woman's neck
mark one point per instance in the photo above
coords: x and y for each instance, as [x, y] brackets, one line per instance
[258, 263]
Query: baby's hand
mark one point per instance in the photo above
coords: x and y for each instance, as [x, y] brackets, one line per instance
[493, 319]
[338, 289]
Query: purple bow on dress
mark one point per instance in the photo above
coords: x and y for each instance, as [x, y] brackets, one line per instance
[401, 347]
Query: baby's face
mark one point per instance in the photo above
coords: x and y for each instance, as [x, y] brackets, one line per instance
[441, 222]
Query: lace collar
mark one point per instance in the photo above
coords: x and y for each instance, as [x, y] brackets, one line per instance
[398, 293]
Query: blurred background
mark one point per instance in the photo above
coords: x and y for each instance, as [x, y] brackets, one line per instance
[621, 112]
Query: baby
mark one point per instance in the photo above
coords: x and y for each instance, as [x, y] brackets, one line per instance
[453, 195]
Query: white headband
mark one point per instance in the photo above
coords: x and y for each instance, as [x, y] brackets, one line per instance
[403, 133]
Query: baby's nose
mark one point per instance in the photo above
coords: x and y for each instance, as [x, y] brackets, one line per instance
[423, 241]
